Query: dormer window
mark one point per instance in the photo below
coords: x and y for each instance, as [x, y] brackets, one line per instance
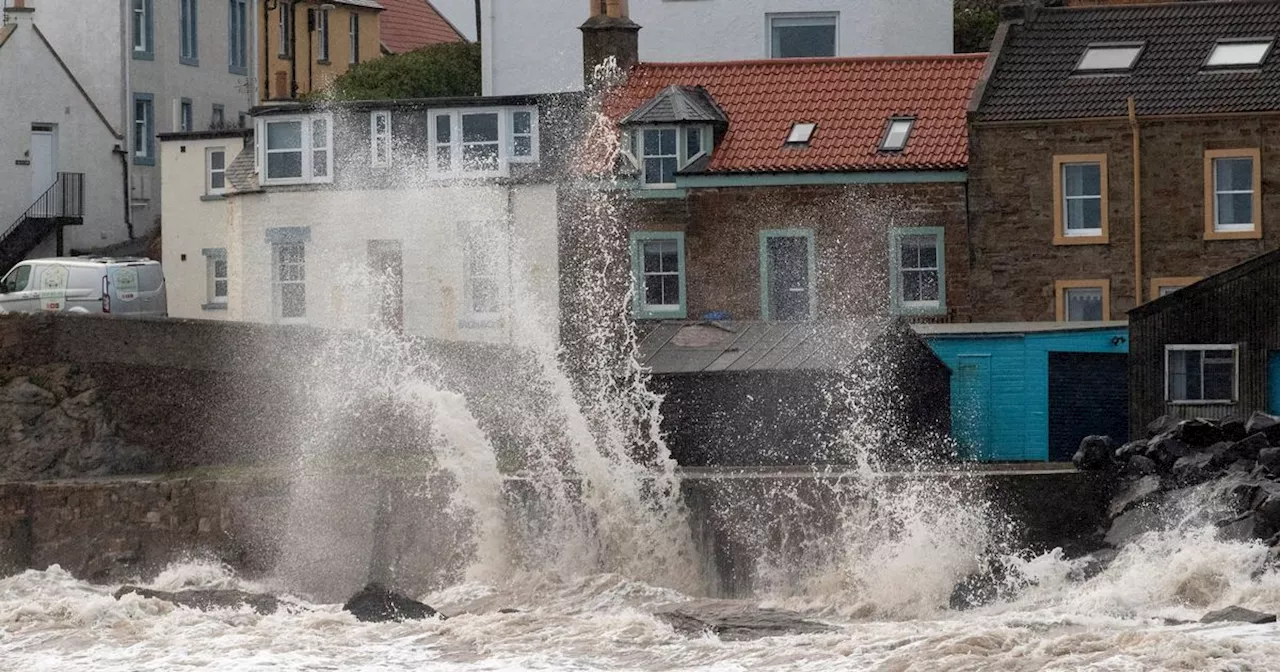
[660, 151]
[896, 134]
[1247, 53]
[800, 133]
[1109, 58]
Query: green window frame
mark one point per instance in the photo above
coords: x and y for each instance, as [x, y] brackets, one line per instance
[765, 236]
[639, 239]
[897, 304]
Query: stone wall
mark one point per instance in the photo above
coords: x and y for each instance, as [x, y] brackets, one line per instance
[850, 224]
[1014, 260]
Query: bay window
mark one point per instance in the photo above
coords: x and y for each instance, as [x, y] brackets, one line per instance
[296, 150]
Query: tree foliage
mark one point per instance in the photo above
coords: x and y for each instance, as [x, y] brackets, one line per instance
[975, 24]
[439, 70]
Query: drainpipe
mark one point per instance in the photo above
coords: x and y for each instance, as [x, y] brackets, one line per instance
[126, 60]
[1137, 204]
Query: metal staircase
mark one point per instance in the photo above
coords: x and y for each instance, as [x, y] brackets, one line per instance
[61, 205]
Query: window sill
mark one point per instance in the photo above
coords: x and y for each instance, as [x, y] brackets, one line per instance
[238, 70]
[144, 161]
[1252, 234]
[323, 61]
[656, 193]
[919, 311]
[1202, 403]
[213, 197]
[193, 62]
[214, 306]
[656, 315]
[1059, 239]
[144, 56]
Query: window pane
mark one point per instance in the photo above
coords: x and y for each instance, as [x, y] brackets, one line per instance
[1109, 58]
[670, 289]
[1082, 179]
[444, 158]
[217, 160]
[284, 135]
[1084, 304]
[220, 288]
[1084, 214]
[911, 286]
[521, 123]
[380, 123]
[217, 180]
[1234, 174]
[444, 128]
[651, 143]
[803, 41]
[293, 300]
[1177, 372]
[1219, 372]
[692, 142]
[484, 295]
[319, 133]
[480, 127]
[653, 290]
[480, 157]
[219, 268]
[522, 146]
[1238, 53]
[667, 142]
[652, 256]
[653, 171]
[284, 165]
[919, 251]
[1235, 209]
[320, 163]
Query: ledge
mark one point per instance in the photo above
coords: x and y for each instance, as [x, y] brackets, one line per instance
[212, 197]
[214, 306]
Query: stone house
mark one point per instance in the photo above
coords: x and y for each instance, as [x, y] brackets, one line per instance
[794, 190]
[91, 85]
[433, 217]
[1118, 153]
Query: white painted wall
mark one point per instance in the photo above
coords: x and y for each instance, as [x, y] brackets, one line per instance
[536, 47]
[194, 221]
[428, 222]
[84, 142]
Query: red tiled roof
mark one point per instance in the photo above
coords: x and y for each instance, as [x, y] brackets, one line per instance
[851, 100]
[406, 25]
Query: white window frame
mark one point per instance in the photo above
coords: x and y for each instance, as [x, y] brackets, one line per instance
[277, 284]
[185, 115]
[322, 35]
[211, 271]
[1067, 231]
[482, 233]
[209, 171]
[456, 144]
[380, 143]
[1202, 348]
[142, 26]
[641, 157]
[1218, 193]
[353, 38]
[143, 125]
[308, 149]
[795, 19]
[898, 301]
[532, 135]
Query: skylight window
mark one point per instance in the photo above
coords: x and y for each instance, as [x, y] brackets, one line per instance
[1109, 57]
[800, 133]
[1239, 53]
[895, 137]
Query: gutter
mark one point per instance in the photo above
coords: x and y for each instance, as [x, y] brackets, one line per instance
[1137, 203]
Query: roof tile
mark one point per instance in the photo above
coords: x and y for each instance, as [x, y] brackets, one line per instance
[850, 99]
[406, 25]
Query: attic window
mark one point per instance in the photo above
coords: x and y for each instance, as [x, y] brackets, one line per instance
[800, 133]
[1239, 53]
[1102, 58]
[895, 135]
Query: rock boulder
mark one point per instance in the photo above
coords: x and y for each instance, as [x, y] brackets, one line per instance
[376, 604]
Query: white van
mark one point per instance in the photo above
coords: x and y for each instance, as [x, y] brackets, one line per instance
[131, 286]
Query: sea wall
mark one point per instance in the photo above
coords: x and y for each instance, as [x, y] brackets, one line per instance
[116, 530]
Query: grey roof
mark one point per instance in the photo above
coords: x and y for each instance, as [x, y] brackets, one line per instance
[697, 347]
[988, 328]
[240, 171]
[1034, 74]
[676, 104]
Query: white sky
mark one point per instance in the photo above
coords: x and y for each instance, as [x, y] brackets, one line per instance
[461, 12]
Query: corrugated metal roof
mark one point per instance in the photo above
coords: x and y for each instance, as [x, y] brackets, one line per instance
[850, 99]
[1035, 72]
[700, 347]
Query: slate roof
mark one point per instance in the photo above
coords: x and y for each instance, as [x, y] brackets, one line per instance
[701, 347]
[240, 172]
[405, 25]
[850, 99]
[676, 104]
[1033, 75]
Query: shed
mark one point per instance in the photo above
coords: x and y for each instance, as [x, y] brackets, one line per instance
[1211, 349]
[774, 393]
[1030, 391]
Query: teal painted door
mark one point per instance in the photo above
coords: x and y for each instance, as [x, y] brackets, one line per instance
[971, 405]
[1273, 382]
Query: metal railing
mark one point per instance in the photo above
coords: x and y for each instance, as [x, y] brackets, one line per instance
[65, 198]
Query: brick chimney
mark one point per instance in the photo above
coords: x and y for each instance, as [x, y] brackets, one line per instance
[609, 32]
[18, 12]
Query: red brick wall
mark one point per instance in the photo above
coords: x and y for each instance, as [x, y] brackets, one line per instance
[1011, 178]
[850, 225]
